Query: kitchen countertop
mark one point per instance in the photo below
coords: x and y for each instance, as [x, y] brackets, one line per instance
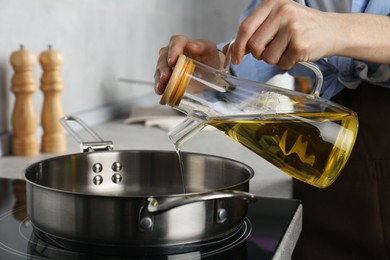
[268, 181]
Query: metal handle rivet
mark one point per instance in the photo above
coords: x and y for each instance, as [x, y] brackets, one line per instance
[97, 180]
[116, 178]
[222, 215]
[146, 223]
[97, 167]
[116, 166]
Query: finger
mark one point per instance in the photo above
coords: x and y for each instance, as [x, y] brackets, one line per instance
[288, 59]
[225, 49]
[247, 28]
[158, 87]
[161, 78]
[162, 58]
[201, 47]
[162, 67]
[176, 47]
[263, 36]
[274, 50]
[163, 72]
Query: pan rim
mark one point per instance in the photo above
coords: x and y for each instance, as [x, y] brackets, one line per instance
[245, 166]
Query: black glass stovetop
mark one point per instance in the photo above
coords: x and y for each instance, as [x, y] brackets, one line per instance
[258, 237]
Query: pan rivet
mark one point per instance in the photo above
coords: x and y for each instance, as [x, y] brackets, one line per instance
[116, 178]
[97, 167]
[116, 166]
[97, 180]
[146, 223]
[222, 215]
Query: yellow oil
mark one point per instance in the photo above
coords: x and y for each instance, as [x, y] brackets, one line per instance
[311, 147]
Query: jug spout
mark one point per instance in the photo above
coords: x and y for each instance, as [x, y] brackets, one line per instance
[193, 124]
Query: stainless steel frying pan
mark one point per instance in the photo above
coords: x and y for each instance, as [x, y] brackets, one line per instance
[135, 197]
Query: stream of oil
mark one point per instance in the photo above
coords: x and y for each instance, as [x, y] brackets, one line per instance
[181, 167]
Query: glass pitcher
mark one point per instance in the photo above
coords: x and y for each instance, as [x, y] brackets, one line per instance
[304, 135]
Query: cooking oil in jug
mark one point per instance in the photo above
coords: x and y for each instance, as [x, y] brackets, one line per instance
[307, 137]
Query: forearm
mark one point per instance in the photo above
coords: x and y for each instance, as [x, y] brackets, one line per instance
[363, 36]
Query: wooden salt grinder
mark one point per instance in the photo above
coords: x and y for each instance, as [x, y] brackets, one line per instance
[53, 139]
[24, 115]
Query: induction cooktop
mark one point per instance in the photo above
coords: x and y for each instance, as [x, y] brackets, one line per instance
[260, 236]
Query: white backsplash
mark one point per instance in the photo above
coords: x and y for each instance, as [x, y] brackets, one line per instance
[102, 40]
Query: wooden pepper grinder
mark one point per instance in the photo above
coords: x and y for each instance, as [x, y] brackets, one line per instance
[24, 115]
[53, 139]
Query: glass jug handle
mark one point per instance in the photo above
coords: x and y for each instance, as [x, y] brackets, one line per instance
[319, 77]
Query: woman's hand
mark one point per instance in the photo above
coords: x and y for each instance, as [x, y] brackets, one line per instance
[283, 32]
[201, 50]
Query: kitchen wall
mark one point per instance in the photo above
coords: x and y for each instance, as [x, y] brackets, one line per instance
[101, 41]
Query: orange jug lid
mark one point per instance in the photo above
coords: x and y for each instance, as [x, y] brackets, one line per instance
[178, 81]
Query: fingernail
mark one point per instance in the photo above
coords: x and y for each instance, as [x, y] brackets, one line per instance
[170, 62]
[162, 76]
[195, 44]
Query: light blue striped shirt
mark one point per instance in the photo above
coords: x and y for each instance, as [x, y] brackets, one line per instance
[339, 72]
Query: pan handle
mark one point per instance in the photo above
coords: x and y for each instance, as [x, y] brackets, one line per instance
[97, 145]
[154, 207]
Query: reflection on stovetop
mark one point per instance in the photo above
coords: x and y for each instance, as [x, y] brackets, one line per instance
[234, 248]
[258, 238]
